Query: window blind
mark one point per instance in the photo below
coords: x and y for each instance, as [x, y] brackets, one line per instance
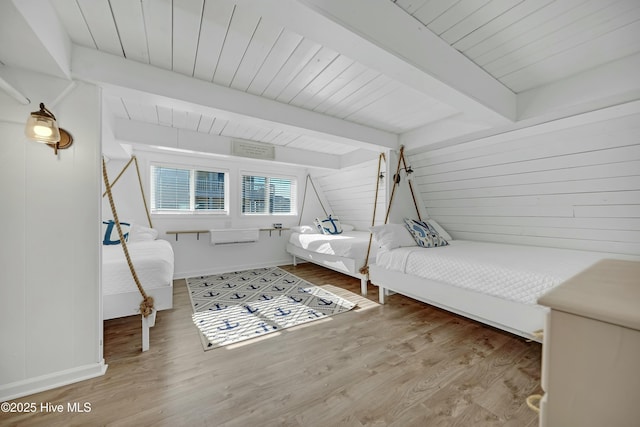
[264, 195]
[187, 190]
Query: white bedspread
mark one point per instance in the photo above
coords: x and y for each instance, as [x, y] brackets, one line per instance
[153, 261]
[349, 244]
[517, 273]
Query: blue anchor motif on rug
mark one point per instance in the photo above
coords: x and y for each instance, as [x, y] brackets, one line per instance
[251, 310]
[294, 299]
[218, 307]
[237, 296]
[254, 287]
[276, 288]
[222, 278]
[228, 325]
[313, 314]
[288, 281]
[281, 312]
[265, 327]
[323, 301]
[229, 285]
[211, 294]
[303, 290]
[265, 297]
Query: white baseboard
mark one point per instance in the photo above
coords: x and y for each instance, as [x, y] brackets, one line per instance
[228, 268]
[47, 382]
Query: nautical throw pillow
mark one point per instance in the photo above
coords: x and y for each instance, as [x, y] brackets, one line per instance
[424, 234]
[330, 225]
[110, 232]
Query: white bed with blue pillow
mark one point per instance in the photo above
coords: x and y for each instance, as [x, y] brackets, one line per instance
[494, 283]
[153, 260]
[333, 245]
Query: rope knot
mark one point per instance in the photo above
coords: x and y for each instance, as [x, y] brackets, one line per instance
[146, 306]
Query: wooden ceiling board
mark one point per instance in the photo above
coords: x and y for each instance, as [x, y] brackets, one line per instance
[299, 59]
[283, 48]
[478, 19]
[130, 25]
[342, 94]
[455, 14]
[218, 126]
[99, 20]
[158, 24]
[333, 70]
[71, 17]
[215, 21]
[566, 37]
[239, 34]
[165, 116]
[262, 43]
[314, 67]
[187, 19]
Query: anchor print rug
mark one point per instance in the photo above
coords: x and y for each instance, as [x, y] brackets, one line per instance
[237, 306]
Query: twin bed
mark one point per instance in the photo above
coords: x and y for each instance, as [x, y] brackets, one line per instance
[153, 260]
[496, 284]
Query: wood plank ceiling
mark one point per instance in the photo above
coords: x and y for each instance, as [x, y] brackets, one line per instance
[529, 43]
[524, 44]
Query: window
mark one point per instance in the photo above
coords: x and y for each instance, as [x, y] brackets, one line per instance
[264, 195]
[187, 190]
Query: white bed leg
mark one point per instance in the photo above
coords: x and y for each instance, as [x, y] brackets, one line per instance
[382, 292]
[147, 322]
[363, 285]
[295, 261]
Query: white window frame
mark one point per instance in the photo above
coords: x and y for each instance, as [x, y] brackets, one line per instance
[192, 193]
[293, 196]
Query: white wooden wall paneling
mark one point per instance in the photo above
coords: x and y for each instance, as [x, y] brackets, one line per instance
[216, 18]
[604, 156]
[624, 224]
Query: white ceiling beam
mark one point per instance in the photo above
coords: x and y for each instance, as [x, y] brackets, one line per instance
[146, 134]
[613, 83]
[145, 83]
[43, 21]
[380, 35]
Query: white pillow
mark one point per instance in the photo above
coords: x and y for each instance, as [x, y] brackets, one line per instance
[139, 233]
[304, 229]
[391, 236]
[347, 227]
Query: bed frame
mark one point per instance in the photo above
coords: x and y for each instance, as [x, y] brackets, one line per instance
[349, 266]
[514, 317]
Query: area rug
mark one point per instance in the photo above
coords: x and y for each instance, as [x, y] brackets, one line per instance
[237, 306]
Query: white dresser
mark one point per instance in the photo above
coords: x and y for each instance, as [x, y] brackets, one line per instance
[591, 349]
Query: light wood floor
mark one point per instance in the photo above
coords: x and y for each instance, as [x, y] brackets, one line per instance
[401, 364]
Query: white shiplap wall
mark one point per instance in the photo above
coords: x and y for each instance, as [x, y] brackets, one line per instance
[351, 192]
[573, 188]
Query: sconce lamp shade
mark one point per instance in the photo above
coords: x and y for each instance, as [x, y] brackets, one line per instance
[42, 127]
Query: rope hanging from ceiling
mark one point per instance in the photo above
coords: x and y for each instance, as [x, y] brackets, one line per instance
[146, 305]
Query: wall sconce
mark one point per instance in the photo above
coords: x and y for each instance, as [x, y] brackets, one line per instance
[42, 127]
[407, 170]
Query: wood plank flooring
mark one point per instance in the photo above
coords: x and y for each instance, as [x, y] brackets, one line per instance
[401, 364]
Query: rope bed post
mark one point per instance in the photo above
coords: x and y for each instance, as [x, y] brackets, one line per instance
[133, 159]
[146, 306]
[365, 268]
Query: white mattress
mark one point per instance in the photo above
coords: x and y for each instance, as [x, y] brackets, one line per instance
[152, 259]
[349, 244]
[516, 273]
